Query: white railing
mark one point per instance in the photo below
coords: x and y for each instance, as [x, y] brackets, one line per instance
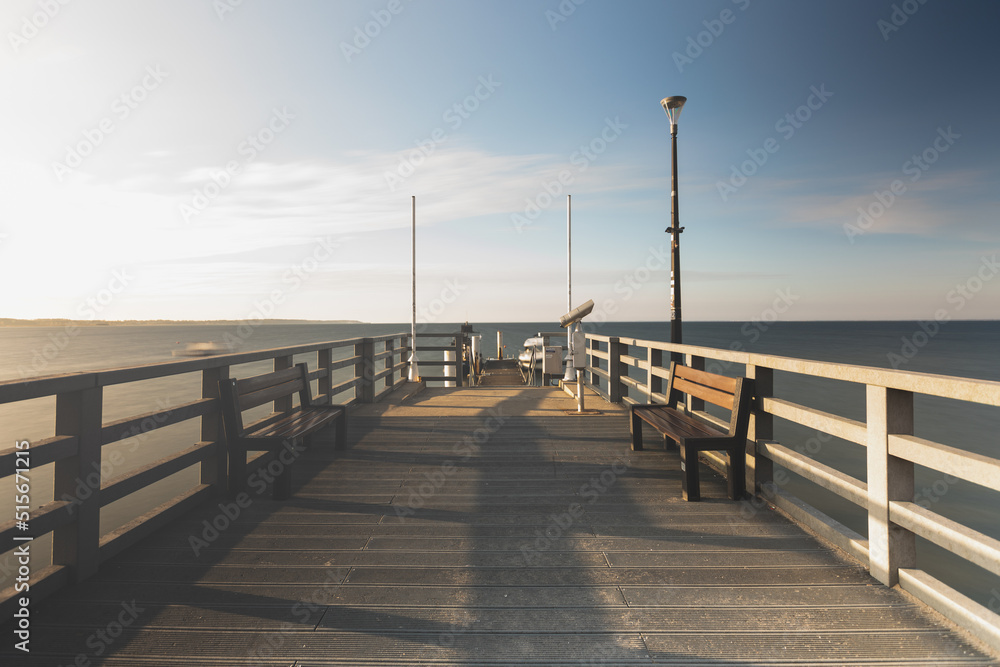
[887, 493]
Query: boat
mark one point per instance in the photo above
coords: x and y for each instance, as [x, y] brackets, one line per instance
[199, 350]
[532, 353]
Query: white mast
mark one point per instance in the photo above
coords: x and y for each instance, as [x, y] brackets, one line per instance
[414, 373]
[568, 375]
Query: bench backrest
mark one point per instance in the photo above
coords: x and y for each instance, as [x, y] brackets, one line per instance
[731, 394]
[247, 393]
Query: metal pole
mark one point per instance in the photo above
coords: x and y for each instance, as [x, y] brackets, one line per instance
[414, 371]
[568, 375]
[675, 254]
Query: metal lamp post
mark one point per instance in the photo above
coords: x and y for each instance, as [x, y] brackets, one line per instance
[673, 106]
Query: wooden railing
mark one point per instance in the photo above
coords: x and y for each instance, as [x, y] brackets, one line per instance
[887, 492]
[455, 344]
[346, 371]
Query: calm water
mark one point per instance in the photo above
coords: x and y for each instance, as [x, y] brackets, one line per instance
[967, 349]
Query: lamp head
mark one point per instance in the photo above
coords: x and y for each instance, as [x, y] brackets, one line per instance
[673, 106]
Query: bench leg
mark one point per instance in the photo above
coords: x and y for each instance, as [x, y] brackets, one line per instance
[690, 489]
[341, 431]
[635, 427]
[282, 482]
[237, 470]
[736, 474]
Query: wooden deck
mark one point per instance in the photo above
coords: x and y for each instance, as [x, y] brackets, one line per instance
[486, 526]
[501, 373]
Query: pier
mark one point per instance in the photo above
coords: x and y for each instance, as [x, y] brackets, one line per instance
[491, 525]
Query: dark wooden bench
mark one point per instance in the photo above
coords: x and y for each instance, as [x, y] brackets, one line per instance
[280, 432]
[694, 435]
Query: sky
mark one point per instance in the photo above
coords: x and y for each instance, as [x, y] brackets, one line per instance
[247, 159]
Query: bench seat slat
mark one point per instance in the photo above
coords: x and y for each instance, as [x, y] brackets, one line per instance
[295, 424]
[671, 421]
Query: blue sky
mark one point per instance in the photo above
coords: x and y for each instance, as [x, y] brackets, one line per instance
[216, 159]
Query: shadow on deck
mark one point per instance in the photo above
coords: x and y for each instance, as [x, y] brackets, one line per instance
[486, 526]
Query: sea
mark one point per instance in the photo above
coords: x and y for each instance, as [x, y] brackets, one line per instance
[957, 348]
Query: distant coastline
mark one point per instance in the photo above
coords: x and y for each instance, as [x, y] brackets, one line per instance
[59, 322]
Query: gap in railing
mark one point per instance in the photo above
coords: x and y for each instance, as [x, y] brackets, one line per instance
[30, 420]
[970, 504]
[824, 500]
[41, 547]
[968, 578]
[837, 397]
[848, 457]
[132, 399]
[148, 497]
[958, 424]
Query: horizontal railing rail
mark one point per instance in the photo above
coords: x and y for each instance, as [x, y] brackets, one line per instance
[71, 517]
[892, 451]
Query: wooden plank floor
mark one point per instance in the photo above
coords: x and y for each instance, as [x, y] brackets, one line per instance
[486, 527]
[500, 373]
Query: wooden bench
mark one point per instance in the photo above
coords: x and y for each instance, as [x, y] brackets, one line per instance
[694, 435]
[280, 432]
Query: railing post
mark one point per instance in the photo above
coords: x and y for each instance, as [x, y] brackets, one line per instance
[696, 404]
[78, 544]
[458, 360]
[324, 361]
[890, 547]
[594, 362]
[283, 404]
[390, 361]
[407, 341]
[214, 470]
[654, 383]
[365, 370]
[760, 470]
[614, 370]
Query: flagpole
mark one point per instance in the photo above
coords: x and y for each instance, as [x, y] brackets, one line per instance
[568, 375]
[414, 372]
